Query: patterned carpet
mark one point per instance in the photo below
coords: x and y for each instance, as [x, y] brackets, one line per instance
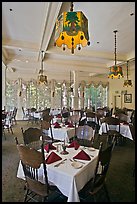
[120, 178]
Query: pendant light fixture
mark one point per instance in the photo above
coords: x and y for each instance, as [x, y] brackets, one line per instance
[42, 79]
[127, 82]
[72, 30]
[115, 71]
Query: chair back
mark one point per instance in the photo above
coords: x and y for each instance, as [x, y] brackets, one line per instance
[123, 117]
[103, 163]
[46, 125]
[85, 132]
[34, 167]
[47, 117]
[112, 123]
[90, 115]
[91, 120]
[75, 120]
[85, 135]
[31, 137]
[65, 114]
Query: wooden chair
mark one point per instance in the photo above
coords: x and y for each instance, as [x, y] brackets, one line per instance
[25, 114]
[31, 137]
[98, 181]
[46, 126]
[13, 116]
[75, 120]
[7, 125]
[85, 135]
[47, 117]
[112, 123]
[92, 121]
[122, 117]
[34, 167]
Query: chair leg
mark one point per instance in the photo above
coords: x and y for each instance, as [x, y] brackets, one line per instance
[11, 130]
[26, 195]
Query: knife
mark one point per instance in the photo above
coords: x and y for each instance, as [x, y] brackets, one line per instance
[56, 165]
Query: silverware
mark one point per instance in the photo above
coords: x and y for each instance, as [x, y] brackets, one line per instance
[56, 165]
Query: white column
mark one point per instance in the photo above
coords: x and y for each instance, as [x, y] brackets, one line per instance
[19, 100]
[75, 105]
[52, 93]
[3, 86]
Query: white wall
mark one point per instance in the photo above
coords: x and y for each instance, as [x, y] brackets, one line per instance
[116, 89]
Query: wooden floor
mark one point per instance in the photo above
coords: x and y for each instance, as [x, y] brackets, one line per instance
[120, 179]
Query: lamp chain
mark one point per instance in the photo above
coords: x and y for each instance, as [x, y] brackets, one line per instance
[127, 70]
[115, 31]
[42, 60]
[71, 6]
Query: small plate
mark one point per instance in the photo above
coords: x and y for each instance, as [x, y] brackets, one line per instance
[76, 165]
[91, 149]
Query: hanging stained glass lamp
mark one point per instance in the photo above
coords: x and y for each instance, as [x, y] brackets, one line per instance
[127, 82]
[72, 30]
[116, 70]
[42, 79]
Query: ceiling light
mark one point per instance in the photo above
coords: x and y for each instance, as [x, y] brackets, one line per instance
[42, 79]
[127, 82]
[72, 30]
[116, 70]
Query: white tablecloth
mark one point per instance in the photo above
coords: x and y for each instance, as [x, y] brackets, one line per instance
[37, 115]
[124, 129]
[62, 134]
[68, 179]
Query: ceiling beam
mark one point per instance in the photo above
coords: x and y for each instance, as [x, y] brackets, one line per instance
[52, 12]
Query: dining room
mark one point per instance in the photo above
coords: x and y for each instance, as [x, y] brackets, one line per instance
[68, 70]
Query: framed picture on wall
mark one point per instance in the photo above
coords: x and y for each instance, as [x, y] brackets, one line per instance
[127, 98]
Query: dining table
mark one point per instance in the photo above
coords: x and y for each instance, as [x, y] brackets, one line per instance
[69, 174]
[124, 129]
[62, 133]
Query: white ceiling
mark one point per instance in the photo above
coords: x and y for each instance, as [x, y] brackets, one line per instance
[30, 28]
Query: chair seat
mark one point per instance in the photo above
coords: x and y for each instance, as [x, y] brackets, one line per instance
[37, 187]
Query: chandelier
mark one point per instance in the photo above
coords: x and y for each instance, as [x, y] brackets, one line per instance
[72, 30]
[42, 79]
[116, 70]
[127, 82]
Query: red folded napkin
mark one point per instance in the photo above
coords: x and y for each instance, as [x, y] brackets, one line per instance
[74, 144]
[70, 125]
[57, 125]
[82, 155]
[59, 116]
[48, 147]
[53, 157]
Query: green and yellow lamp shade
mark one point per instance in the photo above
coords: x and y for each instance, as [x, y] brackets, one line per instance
[115, 72]
[72, 31]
